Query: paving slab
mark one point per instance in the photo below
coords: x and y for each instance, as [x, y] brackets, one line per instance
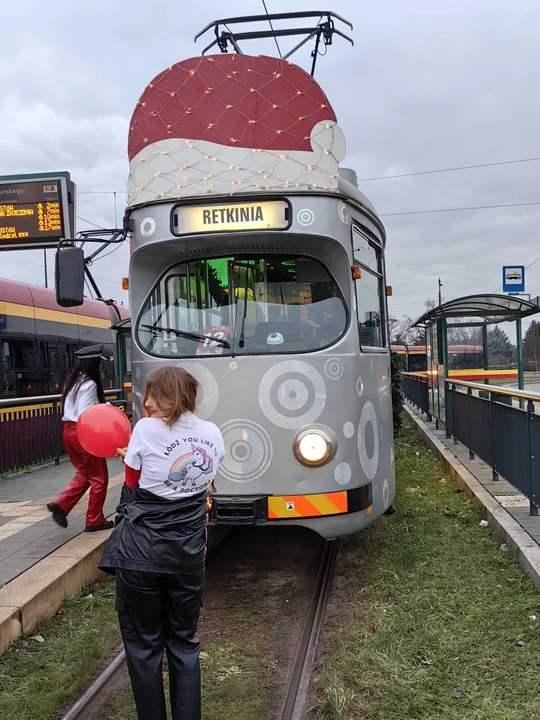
[28, 533]
[41, 563]
[506, 508]
[43, 482]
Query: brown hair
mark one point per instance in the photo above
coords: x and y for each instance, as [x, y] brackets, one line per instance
[173, 386]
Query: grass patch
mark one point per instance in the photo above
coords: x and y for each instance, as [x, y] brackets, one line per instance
[49, 668]
[231, 685]
[429, 619]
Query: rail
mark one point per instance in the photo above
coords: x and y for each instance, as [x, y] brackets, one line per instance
[31, 431]
[485, 419]
[294, 707]
[114, 675]
[495, 389]
[416, 390]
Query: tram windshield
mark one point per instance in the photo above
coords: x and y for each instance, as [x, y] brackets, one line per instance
[243, 305]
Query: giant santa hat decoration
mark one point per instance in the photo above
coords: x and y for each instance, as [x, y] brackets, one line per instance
[232, 123]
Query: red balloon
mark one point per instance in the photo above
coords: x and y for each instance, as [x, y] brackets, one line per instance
[102, 429]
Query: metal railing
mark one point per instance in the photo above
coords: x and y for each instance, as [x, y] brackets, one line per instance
[504, 436]
[416, 390]
[31, 431]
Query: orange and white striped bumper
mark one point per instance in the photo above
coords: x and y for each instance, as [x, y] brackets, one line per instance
[257, 509]
[295, 506]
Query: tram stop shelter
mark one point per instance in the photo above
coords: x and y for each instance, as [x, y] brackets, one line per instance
[471, 311]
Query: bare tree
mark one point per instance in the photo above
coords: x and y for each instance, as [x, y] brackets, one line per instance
[531, 347]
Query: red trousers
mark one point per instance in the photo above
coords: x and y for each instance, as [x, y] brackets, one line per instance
[92, 472]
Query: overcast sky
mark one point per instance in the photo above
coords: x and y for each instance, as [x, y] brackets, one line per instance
[429, 84]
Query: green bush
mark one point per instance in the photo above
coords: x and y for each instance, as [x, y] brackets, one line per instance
[397, 393]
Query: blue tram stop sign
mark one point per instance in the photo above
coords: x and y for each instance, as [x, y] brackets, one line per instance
[513, 278]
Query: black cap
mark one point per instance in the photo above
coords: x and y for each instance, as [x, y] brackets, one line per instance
[89, 352]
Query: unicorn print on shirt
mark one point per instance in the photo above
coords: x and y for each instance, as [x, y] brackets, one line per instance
[191, 467]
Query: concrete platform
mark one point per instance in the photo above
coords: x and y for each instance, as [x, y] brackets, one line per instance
[27, 531]
[505, 508]
[41, 563]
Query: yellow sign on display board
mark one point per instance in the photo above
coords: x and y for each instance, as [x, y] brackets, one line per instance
[231, 217]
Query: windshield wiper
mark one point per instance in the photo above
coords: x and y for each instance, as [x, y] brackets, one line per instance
[244, 314]
[186, 334]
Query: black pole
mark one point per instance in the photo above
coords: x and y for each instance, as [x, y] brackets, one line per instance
[315, 53]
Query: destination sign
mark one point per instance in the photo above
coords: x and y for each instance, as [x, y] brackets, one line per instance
[231, 217]
[33, 212]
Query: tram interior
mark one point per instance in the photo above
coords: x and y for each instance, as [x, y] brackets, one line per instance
[243, 304]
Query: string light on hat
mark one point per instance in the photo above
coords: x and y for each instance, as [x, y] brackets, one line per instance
[212, 124]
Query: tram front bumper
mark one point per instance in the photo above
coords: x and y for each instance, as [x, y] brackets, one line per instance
[258, 509]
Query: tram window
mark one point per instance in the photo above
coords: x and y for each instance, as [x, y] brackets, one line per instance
[49, 354]
[243, 304]
[28, 383]
[369, 304]
[128, 353]
[369, 291]
[364, 252]
[26, 351]
[52, 383]
[8, 354]
[9, 384]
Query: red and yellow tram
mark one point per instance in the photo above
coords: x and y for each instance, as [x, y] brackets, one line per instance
[38, 338]
[465, 362]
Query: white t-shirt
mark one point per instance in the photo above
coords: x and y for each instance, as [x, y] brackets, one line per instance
[175, 461]
[79, 399]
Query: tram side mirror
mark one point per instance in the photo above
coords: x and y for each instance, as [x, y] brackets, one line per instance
[69, 276]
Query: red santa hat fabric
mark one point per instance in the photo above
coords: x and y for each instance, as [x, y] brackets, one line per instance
[232, 123]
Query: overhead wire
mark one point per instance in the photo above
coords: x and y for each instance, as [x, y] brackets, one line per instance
[379, 177]
[89, 222]
[460, 209]
[40, 265]
[451, 169]
[272, 28]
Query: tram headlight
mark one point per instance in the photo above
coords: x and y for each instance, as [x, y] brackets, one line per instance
[313, 447]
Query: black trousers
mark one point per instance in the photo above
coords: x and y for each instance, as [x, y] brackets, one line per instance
[160, 612]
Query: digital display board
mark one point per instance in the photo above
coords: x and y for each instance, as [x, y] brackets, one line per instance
[34, 212]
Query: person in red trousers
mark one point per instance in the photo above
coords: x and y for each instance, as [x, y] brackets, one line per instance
[83, 389]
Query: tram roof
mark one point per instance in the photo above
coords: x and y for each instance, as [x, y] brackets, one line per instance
[492, 308]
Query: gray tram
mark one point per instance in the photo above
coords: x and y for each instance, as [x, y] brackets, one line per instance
[290, 351]
[258, 266]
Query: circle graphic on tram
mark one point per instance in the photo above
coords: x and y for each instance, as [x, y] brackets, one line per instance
[248, 450]
[385, 493]
[343, 473]
[384, 395]
[138, 410]
[292, 394]
[343, 213]
[208, 395]
[306, 217]
[148, 227]
[359, 386]
[333, 368]
[368, 440]
[348, 429]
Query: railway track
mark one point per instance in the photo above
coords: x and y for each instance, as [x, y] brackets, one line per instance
[114, 677]
[297, 693]
[115, 674]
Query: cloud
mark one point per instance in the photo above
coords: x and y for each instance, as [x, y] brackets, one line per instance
[427, 85]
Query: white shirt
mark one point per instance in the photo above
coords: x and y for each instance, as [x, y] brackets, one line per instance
[79, 399]
[175, 461]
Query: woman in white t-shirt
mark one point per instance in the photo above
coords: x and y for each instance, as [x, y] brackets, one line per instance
[83, 389]
[157, 549]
